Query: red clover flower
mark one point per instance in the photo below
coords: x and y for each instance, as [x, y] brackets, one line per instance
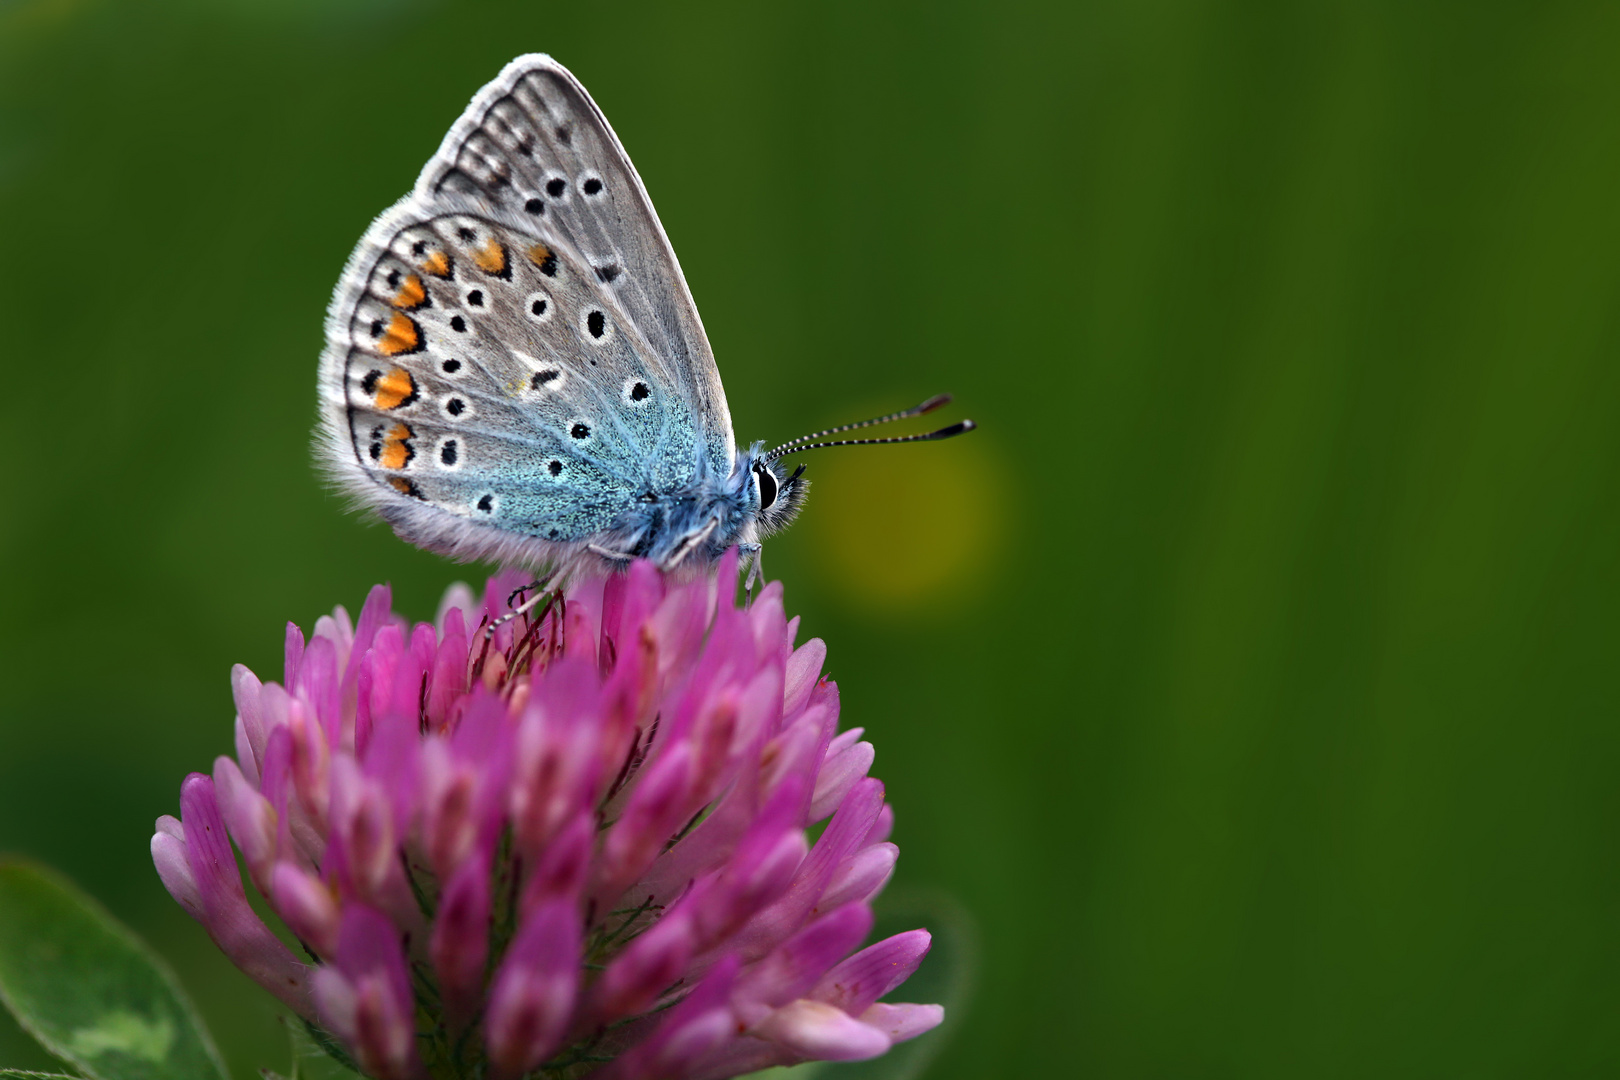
[577, 845]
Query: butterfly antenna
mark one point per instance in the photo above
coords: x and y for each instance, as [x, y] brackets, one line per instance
[958, 428]
[905, 414]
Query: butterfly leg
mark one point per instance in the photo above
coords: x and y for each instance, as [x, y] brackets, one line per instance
[527, 606]
[691, 543]
[609, 553]
[755, 553]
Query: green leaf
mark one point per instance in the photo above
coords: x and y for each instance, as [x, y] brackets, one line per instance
[91, 991]
[30, 1074]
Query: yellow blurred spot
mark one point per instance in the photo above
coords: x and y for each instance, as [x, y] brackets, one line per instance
[906, 526]
[40, 16]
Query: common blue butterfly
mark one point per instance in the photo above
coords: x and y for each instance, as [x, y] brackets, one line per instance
[514, 369]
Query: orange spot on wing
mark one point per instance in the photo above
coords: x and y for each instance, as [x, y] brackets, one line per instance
[437, 264]
[402, 336]
[539, 253]
[395, 389]
[396, 448]
[491, 259]
[410, 295]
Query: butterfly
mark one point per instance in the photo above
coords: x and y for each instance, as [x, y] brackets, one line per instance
[515, 370]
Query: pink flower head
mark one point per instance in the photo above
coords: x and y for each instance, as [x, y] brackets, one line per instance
[576, 843]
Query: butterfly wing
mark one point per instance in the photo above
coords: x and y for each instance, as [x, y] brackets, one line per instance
[513, 359]
[534, 144]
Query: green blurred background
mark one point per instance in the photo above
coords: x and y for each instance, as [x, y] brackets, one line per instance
[1250, 679]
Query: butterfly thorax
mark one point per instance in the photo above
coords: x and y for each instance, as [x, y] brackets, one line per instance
[700, 520]
[696, 522]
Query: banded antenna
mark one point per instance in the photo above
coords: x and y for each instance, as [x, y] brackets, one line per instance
[807, 442]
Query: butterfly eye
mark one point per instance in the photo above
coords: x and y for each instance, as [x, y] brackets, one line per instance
[767, 486]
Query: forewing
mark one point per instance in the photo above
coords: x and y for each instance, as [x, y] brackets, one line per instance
[534, 145]
[485, 391]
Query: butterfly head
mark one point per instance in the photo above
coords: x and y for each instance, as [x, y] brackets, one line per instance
[780, 494]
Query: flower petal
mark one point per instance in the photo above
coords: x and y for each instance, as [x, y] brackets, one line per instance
[239, 933]
[901, 1022]
[814, 1029]
[169, 856]
[873, 972]
[375, 983]
[840, 772]
[533, 996]
[307, 906]
[803, 669]
[701, 1023]
[860, 876]
[250, 818]
[795, 966]
[648, 967]
[460, 943]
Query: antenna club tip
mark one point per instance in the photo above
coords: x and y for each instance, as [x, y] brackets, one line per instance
[933, 403]
[959, 428]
